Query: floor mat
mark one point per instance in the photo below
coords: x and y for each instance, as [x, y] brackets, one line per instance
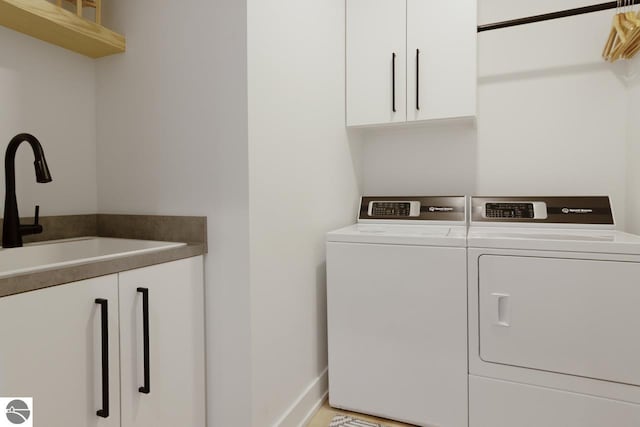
[347, 421]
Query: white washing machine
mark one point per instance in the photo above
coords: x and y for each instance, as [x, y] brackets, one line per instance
[396, 304]
[554, 314]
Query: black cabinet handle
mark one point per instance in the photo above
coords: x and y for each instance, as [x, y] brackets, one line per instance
[393, 82]
[418, 79]
[146, 388]
[104, 412]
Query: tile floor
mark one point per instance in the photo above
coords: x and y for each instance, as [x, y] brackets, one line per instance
[326, 413]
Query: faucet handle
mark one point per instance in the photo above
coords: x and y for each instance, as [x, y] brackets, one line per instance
[34, 228]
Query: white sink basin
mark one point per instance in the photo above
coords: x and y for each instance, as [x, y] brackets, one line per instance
[40, 256]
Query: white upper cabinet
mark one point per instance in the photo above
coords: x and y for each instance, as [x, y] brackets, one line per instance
[435, 42]
[441, 58]
[376, 61]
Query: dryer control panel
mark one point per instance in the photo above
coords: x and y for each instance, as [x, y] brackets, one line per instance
[516, 210]
[509, 210]
[558, 210]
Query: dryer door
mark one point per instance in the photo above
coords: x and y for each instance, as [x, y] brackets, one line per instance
[571, 316]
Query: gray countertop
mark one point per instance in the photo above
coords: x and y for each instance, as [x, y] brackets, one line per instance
[190, 230]
[57, 276]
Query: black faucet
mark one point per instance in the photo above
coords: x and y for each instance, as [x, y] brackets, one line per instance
[12, 231]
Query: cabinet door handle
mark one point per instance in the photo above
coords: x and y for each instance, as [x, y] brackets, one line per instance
[146, 388]
[104, 412]
[418, 79]
[393, 82]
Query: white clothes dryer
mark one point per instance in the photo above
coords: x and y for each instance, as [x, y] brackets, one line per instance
[554, 314]
[396, 305]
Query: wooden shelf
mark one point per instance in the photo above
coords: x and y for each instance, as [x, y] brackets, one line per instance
[46, 21]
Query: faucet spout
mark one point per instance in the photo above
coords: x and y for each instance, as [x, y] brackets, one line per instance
[12, 231]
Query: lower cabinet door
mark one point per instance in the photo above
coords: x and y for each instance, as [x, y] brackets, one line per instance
[163, 379]
[52, 352]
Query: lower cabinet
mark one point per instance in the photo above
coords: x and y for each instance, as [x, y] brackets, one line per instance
[175, 376]
[81, 351]
[52, 351]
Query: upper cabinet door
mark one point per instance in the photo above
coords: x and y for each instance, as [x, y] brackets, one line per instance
[441, 59]
[376, 61]
[162, 305]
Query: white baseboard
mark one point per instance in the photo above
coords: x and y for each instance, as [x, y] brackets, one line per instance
[307, 404]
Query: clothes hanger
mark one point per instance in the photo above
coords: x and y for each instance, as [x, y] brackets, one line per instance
[625, 33]
[628, 22]
[617, 35]
[633, 44]
[611, 41]
[625, 29]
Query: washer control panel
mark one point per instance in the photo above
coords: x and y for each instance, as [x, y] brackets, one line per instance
[408, 209]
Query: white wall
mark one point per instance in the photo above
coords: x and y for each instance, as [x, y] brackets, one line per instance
[550, 119]
[303, 182]
[49, 92]
[172, 139]
[633, 148]
[440, 158]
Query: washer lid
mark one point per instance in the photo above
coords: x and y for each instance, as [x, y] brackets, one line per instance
[423, 235]
[554, 239]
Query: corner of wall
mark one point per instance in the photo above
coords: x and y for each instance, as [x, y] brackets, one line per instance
[307, 404]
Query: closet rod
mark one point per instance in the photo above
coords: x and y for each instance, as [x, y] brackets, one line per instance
[552, 15]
